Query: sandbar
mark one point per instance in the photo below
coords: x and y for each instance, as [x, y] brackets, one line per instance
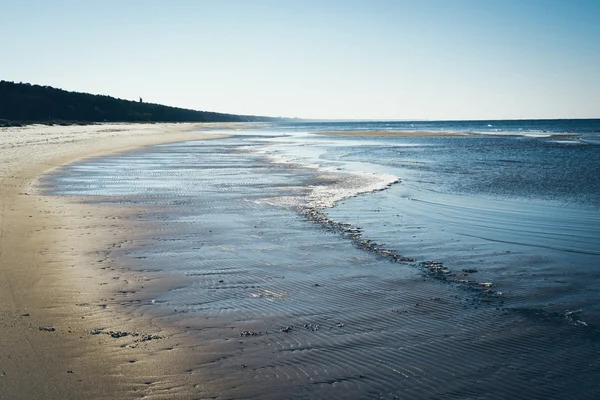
[391, 133]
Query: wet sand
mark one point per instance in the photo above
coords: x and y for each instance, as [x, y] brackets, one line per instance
[50, 296]
[243, 295]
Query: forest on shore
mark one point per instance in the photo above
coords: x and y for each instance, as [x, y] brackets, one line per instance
[25, 103]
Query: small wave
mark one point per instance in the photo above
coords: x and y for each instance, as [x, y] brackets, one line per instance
[346, 186]
[332, 185]
[567, 141]
[569, 317]
[590, 141]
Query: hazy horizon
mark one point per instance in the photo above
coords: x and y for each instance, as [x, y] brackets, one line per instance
[337, 60]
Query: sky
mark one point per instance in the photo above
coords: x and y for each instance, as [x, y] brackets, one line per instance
[336, 59]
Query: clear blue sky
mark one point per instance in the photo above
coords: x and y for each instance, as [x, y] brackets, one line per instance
[371, 59]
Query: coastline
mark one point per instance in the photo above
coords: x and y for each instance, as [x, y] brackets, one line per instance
[159, 283]
[254, 300]
[52, 290]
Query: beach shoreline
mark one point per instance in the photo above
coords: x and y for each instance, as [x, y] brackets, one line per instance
[53, 290]
[187, 271]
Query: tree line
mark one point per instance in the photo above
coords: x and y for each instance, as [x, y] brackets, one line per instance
[23, 103]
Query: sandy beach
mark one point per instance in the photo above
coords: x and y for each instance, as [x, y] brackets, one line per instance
[65, 331]
[51, 296]
[212, 269]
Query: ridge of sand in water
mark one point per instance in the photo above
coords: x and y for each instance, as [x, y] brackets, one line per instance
[442, 134]
[50, 298]
[392, 133]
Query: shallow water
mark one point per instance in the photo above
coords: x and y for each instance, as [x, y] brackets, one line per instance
[285, 305]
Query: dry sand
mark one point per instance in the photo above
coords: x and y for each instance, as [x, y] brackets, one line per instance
[56, 283]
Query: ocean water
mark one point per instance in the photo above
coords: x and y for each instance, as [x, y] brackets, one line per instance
[462, 266]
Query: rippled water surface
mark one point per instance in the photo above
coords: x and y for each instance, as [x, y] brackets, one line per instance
[473, 276]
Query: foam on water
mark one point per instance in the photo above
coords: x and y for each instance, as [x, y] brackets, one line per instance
[327, 196]
[337, 183]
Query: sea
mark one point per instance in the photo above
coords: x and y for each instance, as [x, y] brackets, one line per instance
[459, 264]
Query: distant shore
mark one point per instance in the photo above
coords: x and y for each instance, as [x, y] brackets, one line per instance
[54, 289]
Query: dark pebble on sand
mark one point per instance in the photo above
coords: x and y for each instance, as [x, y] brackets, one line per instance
[147, 338]
[311, 327]
[47, 329]
[250, 333]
